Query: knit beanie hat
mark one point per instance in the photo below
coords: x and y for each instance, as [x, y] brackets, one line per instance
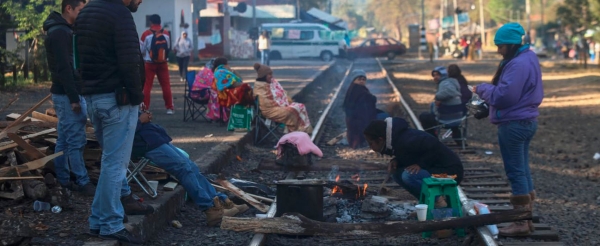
[262, 70]
[357, 73]
[509, 33]
[442, 71]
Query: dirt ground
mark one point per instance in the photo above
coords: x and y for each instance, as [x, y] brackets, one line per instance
[565, 174]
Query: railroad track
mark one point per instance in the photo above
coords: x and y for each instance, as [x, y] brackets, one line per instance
[480, 183]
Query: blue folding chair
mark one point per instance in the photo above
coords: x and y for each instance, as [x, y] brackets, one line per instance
[195, 102]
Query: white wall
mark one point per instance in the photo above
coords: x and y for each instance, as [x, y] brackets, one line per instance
[186, 6]
[164, 8]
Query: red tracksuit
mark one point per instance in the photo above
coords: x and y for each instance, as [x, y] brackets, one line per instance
[161, 70]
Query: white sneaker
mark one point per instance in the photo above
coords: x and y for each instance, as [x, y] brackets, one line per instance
[170, 111]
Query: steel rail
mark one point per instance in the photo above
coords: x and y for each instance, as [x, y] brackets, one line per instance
[482, 231]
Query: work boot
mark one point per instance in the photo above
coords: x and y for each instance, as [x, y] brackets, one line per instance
[214, 215]
[228, 204]
[521, 227]
[529, 222]
[134, 206]
[440, 202]
[123, 236]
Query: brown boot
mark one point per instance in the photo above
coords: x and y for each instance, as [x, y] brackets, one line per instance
[134, 206]
[529, 222]
[214, 215]
[228, 204]
[517, 228]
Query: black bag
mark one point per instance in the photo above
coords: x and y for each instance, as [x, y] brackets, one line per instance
[122, 96]
[482, 111]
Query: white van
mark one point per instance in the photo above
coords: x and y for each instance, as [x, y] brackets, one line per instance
[296, 40]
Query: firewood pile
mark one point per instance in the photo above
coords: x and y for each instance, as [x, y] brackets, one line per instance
[27, 143]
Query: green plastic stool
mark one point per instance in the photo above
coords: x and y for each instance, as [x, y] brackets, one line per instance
[433, 187]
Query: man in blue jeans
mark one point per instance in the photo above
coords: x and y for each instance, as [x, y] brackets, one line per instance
[109, 59]
[68, 103]
[153, 142]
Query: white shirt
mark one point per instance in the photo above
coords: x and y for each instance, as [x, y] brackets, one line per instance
[264, 43]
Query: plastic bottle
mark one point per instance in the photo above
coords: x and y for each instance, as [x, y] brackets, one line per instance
[483, 209]
[41, 206]
[56, 209]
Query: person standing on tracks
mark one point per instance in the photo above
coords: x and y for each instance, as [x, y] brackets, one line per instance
[264, 44]
[416, 154]
[359, 106]
[514, 96]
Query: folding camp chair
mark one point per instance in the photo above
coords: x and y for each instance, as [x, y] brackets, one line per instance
[195, 102]
[272, 128]
[461, 124]
[134, 172]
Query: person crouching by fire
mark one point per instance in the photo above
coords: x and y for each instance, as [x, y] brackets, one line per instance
[416, 154]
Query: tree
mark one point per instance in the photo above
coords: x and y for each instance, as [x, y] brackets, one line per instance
[347, 12]
[29, 16]
[308, 4]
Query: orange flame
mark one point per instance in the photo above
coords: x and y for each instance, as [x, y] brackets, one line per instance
[337, 178]
[337, 189]
[365, 189]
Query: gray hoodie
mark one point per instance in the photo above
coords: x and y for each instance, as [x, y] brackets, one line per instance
[448, 89]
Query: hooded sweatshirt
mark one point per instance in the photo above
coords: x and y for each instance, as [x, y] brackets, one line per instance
[448, 91]
[59, 52]
[519, 92]
[410, 146]
[359, 102]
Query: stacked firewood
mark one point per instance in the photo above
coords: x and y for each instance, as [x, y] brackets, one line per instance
[27, 143]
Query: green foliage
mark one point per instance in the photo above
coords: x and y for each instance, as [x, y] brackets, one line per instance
[308, 4]
[347, 11]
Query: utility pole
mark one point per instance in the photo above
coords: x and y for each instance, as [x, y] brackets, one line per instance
[423, 42]
[194, 32]
[226, 27]
[543, 34]
[482, 23]
[456, 27]
[254, 26]
[298, 9]
[528, 13]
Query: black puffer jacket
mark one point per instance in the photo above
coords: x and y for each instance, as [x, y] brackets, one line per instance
[59, 50]
[109, 49]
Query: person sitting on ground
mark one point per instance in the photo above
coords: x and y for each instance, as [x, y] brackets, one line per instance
[360, 108]
[465, 94]
[275, 104]
[416, 154]
[229, 86]
[153, 142]
[447, 108]
[204, 81]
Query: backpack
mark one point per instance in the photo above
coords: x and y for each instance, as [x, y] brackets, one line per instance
[159, 47]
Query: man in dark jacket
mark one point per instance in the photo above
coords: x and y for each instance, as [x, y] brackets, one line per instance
[109, 59]
[67, 101]
[417, 154]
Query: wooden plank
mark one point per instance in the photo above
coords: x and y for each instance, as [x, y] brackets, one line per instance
[44, 117]
[32, 165]
[24, 115]
[487, 190]
[170, 186]
[498, 201]
[482, 176]
[336, 139]
[15, 116]
[325, 165]
[490, 195]
[487, 183]
[241, 194]
[532, 244]
[31, 152]
[478, 169]
[537, 226]
[33, 135]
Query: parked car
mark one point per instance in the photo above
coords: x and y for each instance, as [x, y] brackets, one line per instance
[378, 47]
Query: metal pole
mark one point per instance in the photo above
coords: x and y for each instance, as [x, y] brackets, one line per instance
[528, 12]
[254, 26]
[226, 27]
[482, 23]
[422, 29]
[194, 32]
[298, 9]
[456, 27]
[543, 34]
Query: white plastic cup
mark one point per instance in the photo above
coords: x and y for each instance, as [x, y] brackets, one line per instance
[153, 184]
[41, 206]
[421, 212]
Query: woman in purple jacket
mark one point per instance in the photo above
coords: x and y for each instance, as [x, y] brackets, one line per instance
[514, 96]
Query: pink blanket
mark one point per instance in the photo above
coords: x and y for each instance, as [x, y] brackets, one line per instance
[302, 141]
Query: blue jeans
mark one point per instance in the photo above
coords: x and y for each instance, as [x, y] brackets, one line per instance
[71, 140]
[169, 158]
[114, 128]
[514, 138]
[411, 182]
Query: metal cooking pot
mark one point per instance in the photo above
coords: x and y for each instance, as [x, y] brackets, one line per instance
[300, 196]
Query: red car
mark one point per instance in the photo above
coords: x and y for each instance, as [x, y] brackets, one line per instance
[378, 47]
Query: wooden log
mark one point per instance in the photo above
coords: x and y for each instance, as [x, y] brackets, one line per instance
[44, 117]
[264, 199]
[336, 139]
[35, 189]
[241, 194]
[296, 224]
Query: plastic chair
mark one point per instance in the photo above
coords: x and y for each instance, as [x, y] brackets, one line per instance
[260, 121]
[134, 172]
[432, 188]
[195, 102]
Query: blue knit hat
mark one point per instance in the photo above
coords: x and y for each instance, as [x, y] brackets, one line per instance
[509, 33]
[442, 71]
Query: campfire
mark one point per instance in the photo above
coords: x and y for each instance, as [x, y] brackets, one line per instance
[349, 189]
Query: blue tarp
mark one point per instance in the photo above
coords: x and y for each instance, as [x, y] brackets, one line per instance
[448, 21]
